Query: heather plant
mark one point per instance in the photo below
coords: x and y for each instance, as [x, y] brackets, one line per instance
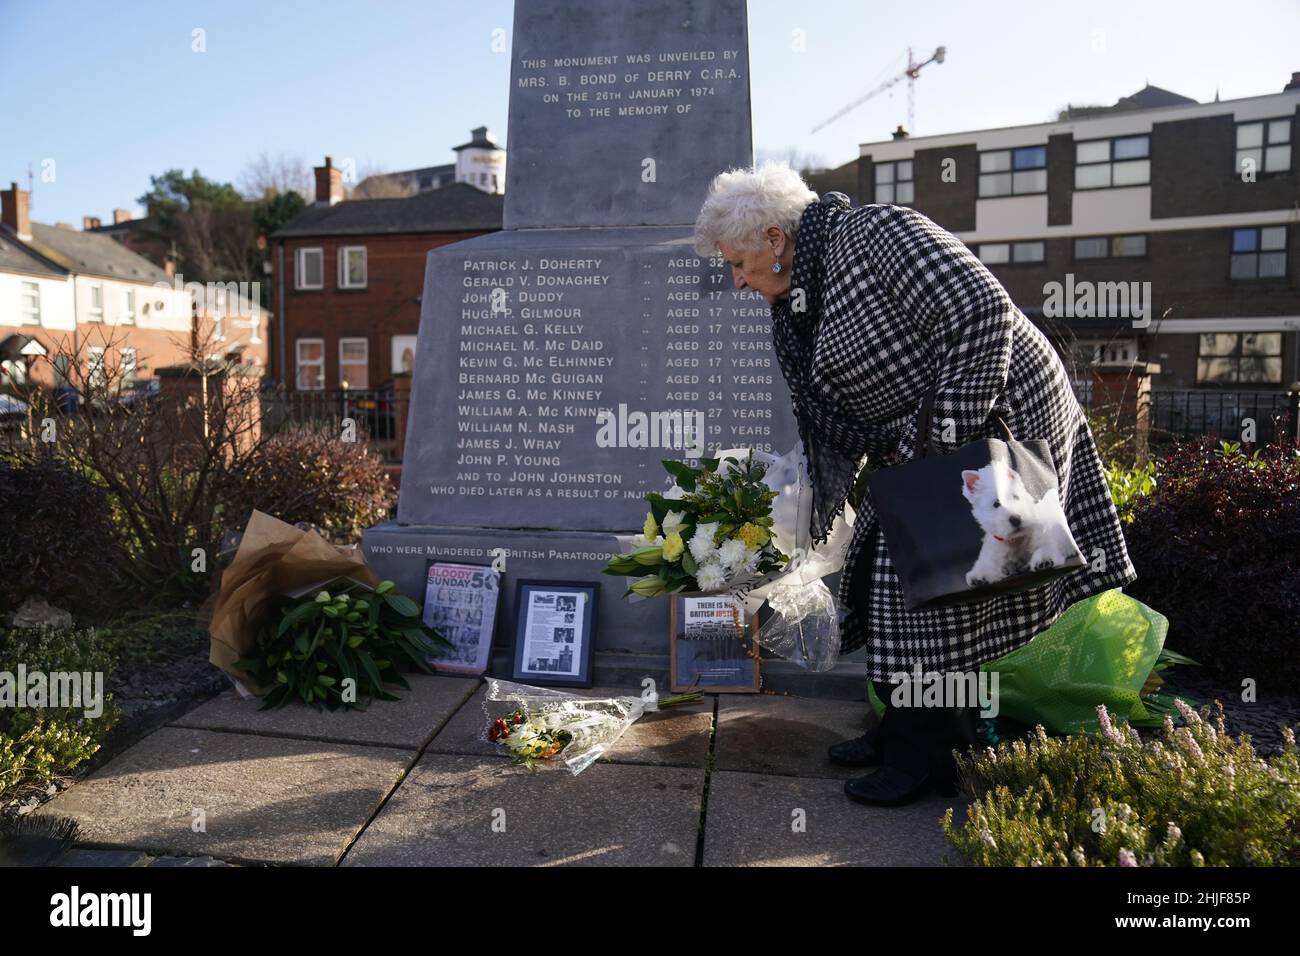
[1194, 796]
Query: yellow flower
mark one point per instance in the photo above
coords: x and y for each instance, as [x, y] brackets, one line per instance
[753, 535]
[650, 529]
[673, 547]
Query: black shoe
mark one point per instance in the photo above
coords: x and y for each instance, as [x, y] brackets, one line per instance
[887, 787]
[861, 751]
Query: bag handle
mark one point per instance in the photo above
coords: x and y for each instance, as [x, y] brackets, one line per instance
[926, 419]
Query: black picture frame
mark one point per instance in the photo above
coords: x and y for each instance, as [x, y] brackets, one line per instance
[439, 664]
[578, 599]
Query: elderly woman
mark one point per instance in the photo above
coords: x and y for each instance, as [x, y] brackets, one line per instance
[872, 308]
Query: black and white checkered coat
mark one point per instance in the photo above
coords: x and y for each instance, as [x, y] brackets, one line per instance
[905, 304]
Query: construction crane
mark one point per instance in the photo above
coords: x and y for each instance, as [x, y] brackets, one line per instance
[910, 74]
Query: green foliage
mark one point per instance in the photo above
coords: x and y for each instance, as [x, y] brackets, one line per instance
[1127, 485]
[1193, 797]
[39, 744]
[307, 648]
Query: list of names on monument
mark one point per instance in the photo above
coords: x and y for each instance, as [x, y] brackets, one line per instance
[568, 388]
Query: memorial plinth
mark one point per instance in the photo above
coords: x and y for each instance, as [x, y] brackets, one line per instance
[555, 357]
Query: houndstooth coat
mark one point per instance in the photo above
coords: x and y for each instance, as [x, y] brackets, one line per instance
[901, 306]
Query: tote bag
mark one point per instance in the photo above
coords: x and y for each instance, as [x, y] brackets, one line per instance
[983, 520]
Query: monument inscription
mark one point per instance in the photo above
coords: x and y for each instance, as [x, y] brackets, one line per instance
[564, 376]
[620, 120]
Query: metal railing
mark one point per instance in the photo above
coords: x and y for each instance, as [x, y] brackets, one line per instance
[1189, 414]
[376, 415]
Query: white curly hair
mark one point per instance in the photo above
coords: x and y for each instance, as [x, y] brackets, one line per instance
[741, 203]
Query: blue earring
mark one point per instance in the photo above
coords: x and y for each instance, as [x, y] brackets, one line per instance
[776, 267]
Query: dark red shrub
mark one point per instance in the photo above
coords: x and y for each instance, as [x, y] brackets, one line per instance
[59, 542]
[1217, 550]
[312, 477]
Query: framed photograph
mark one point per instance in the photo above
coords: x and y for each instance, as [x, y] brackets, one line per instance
[462, 601]
[554, 625]
[713, 647]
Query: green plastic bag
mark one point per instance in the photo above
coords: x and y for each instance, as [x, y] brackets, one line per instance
[1102, 650]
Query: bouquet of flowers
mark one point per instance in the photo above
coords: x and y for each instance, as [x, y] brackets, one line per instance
[710, 532]
[537, 724]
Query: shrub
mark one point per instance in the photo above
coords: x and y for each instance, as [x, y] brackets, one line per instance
[1193, 797]
[38, 744]
[1217, 550]
[311, 476]
[59, 541]
[1127, 485]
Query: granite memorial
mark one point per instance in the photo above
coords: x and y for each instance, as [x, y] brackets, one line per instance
[561, 359]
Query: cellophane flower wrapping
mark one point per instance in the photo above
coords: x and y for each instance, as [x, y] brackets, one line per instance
[596, 723]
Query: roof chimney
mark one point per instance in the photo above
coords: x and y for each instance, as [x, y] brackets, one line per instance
[121, 215]
[14, 211]
[900, 133]
[1294, 84]
[90, 222]
[329, 183]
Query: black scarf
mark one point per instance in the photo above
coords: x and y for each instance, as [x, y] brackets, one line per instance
[833, 444]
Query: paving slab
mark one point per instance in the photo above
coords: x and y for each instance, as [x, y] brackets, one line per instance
[268, 799]
[407, 723]
[766, 733]
[461, 810]
[676, 737]
[752, 821]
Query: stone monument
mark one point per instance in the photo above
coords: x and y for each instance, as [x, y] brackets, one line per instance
[561, 359]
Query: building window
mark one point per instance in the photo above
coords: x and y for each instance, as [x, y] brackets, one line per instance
[128, 306]
[352, 267]
[1102, 163]
[95, 366]
[354, 362]
[30, 303]
[1266, 145]
[1013, 172]
[311, 364]
[894, 182]
[998, 253]
[1259, 253]
[128, 363]
[309, 271]
[1225, 358]
[95, 311]
[1110, 247]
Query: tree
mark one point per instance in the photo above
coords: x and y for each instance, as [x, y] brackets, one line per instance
[208, 223]
[268, 177]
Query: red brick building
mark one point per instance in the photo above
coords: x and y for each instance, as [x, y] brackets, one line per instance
[347, 279]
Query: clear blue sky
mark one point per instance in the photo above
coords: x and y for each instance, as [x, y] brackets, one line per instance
[112, 92]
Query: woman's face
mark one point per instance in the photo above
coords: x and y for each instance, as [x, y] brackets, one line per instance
[752, 269]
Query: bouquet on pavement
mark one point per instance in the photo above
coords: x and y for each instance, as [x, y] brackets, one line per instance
[537, 724]
[710, 532]
[740, 524]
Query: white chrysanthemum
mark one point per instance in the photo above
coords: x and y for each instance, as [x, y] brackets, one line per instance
[673, 522]
[710, 576]
[731, 553]
[702, 542]
[749, 563]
